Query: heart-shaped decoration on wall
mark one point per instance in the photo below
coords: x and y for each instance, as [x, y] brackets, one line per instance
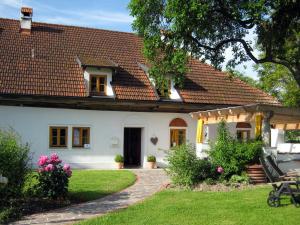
[154, 140]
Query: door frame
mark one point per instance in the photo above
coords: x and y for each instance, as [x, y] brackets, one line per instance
[143, 142]
[137, 151]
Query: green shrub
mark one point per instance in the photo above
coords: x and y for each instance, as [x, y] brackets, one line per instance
[205, 169]
[9, 213]
[185, 169]
[243, 179]
[151, 158]
[119, 159]
[53, 177]
[210, 181]
[233, 155]
[14, 164]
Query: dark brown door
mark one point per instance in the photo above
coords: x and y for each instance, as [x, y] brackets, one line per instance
[132, 146]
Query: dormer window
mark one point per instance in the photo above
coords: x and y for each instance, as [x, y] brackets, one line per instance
[98, 75]
[98, 84]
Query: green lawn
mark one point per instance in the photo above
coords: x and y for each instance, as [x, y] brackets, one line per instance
[86, 185]
[169, 207]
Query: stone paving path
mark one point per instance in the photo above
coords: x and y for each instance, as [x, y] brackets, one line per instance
[148, 182]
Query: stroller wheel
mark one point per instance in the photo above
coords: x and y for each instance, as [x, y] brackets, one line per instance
[272, 193]
[296, 203]
[273, 201]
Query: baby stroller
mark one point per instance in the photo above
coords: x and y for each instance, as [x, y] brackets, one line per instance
[283, 184]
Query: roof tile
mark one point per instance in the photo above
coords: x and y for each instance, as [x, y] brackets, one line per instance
[45, 63]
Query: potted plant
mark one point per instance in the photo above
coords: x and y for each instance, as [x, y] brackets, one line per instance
[151, 159]
[119, 159]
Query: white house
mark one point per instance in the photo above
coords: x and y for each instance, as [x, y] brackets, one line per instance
[85, 94]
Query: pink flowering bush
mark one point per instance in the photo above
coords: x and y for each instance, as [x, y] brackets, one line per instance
[53, 177]
[220, 170]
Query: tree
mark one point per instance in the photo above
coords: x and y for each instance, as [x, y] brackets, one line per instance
[275, 80]
[237, 74]
[175, 30]
[278, 81]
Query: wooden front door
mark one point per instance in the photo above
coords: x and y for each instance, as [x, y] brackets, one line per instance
[132, 146]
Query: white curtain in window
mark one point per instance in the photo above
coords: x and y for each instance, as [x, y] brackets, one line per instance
[76, 137]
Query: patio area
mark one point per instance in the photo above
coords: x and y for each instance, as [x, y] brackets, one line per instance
[270, 122]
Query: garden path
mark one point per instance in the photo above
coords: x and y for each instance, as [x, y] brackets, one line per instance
[148, 182]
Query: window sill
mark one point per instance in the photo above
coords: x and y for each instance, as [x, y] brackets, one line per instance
[80, 148]
[54, 147]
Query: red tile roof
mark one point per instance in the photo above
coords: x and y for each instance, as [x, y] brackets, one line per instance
[45, 63]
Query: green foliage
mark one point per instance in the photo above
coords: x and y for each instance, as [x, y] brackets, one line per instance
[185, 169]
[233, 155]
[151, 158]
[175, 30]
[292, 136]
[234, 74]
[242, 179]
[279, 82]
[54, 184]
[6, 214]
[53, 178]
[119, 159]
[210, 181]
[14, 164]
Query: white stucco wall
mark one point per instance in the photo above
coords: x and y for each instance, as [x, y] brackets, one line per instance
[106, 128]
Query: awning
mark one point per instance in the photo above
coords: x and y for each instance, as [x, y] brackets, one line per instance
[281, 117]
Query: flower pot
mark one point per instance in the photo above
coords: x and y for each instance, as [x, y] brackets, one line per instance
[119, 165]
[151, 165]
[256, 174]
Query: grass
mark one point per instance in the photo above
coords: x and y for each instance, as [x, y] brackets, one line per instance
[247, 207]
[86, 185]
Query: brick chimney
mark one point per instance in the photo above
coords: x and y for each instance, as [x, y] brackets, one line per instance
[26, 20]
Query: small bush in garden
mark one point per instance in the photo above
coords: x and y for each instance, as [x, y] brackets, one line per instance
[205, 169]
[185, 169]
[210, 181]
[151, 158]
[14, 165]
[233, 155]
[53, 177]
[119, 159]
[242, 179]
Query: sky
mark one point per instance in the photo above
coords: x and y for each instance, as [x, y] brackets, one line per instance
[104, 14]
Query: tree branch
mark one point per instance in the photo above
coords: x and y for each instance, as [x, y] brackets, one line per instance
[247, 24]
[248, 50]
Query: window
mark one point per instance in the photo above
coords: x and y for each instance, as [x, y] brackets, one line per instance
[165, 91]
[243, 135]
[177, 137]
[81, 136]
[58, 136]
[243, 131]
[97, 85]
[177, 132]
[206, 134]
